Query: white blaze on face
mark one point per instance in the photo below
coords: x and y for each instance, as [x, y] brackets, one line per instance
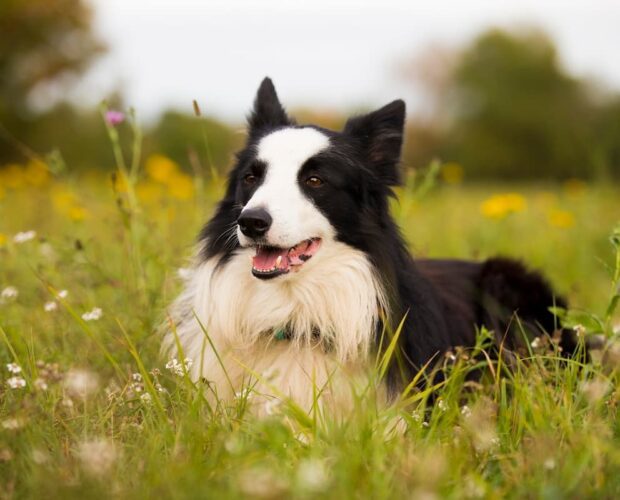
[295, 217]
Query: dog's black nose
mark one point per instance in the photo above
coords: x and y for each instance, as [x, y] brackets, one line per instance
[254, 222]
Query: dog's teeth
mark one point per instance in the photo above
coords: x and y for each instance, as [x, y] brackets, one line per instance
[278, 261]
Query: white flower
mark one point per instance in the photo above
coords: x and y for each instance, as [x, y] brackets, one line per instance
[93, 315]
[16, 383]
[313, 475]
[10, 292]
[535, 343]
[465, 411]
[136, 377]
[13, 424]
[97, 456]
[14, 368]
[146, 397]
[50, 306]
[271, 406]
[177, 368]
[81, 383]
[580, 330]
[63, 294]
[40, 384]
[441, 404]
[24, 236]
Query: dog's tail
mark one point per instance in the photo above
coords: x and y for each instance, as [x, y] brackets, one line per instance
[516, 304]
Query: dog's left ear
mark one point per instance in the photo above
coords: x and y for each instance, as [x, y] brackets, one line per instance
[381, 136]
[267, 112]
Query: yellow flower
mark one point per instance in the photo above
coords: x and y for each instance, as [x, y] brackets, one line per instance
[77, 213]
[148, 193]
[63, 199]
[181, 186]
[36, 173]
[575, 188]
[3, 239]
[160, 168]
[120, 182]
[500, 205]
[452, 173]
[12, 176]
[561, 218]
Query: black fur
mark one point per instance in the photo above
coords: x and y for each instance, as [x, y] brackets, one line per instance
[444, 301]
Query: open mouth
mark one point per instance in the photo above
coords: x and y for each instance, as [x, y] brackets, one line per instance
[270, 262]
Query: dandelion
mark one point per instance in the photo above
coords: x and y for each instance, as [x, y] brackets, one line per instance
[24, 236]
[114, 117]
[500, 205]
[97, 456]
[16, 383]
[14, 368]
[81, 383]
[50, 306]
[561, 219]
[181, 187]
[9, 293]
[93, 315]
[160, 168]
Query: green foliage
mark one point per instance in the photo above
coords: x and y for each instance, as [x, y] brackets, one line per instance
[511, 111]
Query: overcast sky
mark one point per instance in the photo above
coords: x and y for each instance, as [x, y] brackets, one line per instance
[323, 53]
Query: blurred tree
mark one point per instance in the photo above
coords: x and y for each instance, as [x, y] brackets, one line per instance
[43, 43]
[506, 108]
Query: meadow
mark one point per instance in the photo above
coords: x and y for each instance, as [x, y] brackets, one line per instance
[89, 408]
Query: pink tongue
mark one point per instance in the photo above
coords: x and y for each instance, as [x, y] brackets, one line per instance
[267, 258]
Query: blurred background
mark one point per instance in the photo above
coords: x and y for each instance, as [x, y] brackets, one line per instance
[496, 90]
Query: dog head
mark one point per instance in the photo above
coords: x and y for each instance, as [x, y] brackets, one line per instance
[295, 189]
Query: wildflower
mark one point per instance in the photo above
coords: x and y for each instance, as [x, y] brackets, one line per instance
[77, 213]
[10, 292]
[160, 168]
[63, 294]
[271, 406]
[441, 404]
[97, 456]
[500, 205]
[160, 388]
[12, 176]
[313, 475]
[580, 330]
[178, 368]
[50, 306]
[181, 187]
[14, 368]
[16, 383]
[13, 424]
[40, 384]
[114, 118]
[136, 377]
[561, 219]
[81, 383]
[24, 236]
[146, 398]
[36, 173]
[2, 235]
[535, 343]
[595, 390]
[465, 411]
[93, 315]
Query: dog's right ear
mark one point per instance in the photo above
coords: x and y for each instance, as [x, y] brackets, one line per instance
[267, 112]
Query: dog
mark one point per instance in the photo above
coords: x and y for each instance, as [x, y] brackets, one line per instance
[302, 270]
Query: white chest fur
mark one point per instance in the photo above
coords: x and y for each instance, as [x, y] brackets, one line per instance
[335, 294]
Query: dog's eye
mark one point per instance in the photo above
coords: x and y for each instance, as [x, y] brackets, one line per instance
[314, 182]
[250, 179]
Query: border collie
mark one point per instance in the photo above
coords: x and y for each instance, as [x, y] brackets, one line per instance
[301, 270]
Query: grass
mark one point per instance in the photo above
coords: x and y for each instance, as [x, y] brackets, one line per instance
[100, 414]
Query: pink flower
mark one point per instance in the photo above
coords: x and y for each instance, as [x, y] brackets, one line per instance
[113, 117]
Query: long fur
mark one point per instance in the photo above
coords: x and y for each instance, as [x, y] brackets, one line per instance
[360, 283]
